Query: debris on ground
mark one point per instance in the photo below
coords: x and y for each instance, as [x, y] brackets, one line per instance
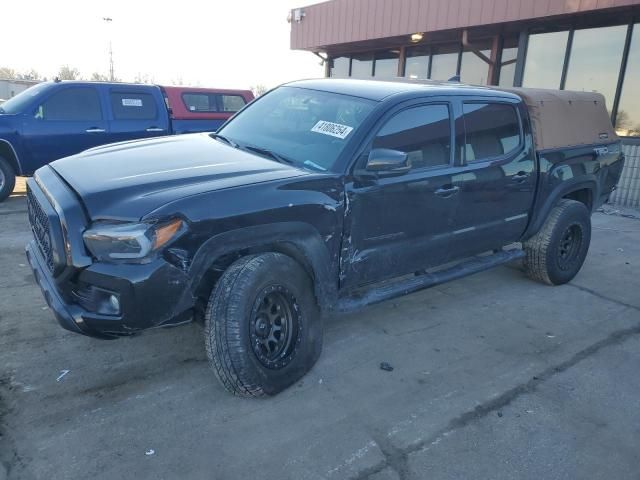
[386, 367]
[150, 452]
[62, 374]
[500, 414]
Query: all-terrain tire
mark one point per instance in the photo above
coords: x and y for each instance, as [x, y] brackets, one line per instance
[235, 319]
[556, 253]
[7, 179]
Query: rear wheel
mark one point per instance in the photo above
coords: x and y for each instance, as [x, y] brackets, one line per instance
[556, 253]
[7, 179]
[263, 329]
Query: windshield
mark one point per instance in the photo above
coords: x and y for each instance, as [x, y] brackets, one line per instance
[308, 128]
[18, 103]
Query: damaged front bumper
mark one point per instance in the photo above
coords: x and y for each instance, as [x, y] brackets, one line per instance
[148, 295]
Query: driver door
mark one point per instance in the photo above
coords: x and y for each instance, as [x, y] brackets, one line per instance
[400, 224]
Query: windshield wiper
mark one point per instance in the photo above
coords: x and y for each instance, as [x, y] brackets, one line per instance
[225, 139]
[264, 151]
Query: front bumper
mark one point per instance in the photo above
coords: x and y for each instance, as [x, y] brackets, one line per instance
[151, 295]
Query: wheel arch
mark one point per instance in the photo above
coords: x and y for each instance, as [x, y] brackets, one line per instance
[298, 240]
[9, 153]
[581, 190]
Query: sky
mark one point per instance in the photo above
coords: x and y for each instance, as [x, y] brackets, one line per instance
[214, 43]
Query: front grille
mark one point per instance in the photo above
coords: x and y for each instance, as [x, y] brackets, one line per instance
[40, 227]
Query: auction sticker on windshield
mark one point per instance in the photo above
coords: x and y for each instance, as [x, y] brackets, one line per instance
[333, 129]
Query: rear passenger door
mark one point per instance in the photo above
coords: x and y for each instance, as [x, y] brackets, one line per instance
[136, 113]
[497, 175]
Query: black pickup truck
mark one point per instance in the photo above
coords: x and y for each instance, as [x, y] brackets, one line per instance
[322, 196]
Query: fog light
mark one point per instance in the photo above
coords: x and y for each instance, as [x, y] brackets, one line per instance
[114, 301]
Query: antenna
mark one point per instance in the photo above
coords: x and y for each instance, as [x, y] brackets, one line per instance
[112, 77]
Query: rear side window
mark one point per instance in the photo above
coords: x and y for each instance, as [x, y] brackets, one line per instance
[212, 102]
[491, 130]
[200, 102]
[71, 104]
[232, 103]
[423, 133]
[133, 106]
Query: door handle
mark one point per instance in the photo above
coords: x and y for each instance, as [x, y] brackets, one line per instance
[520, 177]
[155, 129]
[95, 130]
[447, 191]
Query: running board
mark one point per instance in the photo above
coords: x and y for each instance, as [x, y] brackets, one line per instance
[426, 280]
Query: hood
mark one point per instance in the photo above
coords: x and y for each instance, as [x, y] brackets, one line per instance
[131, 179]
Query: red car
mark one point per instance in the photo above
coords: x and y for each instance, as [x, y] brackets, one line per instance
[189, 106]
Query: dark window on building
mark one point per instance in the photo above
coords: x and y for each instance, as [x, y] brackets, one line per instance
[594, 64]
[473, 69]
[491, 130]
[387, 64]
[232, 103]
[444, 63]
[133, 106]
[545, 59]
[423, 133]
[628, 118]
[362, 65]
[416, 64]
[339, 67]
[508, 62]
[72, 104]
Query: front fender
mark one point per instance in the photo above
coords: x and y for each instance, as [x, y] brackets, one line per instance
[300, 240]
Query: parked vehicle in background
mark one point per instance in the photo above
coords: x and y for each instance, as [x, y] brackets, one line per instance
[321, 196]
[53, 120]
[192, 107]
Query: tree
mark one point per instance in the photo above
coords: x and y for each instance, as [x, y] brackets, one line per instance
[30, 75]
[99, 77]
[68, 73]
[143, 78]
[8, 73]
[258, 89]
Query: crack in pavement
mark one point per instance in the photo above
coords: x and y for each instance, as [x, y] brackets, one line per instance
[397, 458]
[603, 297]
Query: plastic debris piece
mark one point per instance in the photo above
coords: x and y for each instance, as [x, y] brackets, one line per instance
[150, 452]
[62, 374]
[386, 367]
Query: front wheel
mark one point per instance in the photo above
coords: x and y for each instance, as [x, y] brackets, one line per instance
[556, 253]
[263, 329]
[7, 179]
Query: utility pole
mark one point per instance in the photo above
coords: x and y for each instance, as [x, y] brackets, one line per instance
[112, 77]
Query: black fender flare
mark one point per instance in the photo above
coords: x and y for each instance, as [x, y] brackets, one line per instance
[543, 208]
[297, 239]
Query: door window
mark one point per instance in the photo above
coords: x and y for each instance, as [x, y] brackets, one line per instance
[133, 106]
[71, 104]
[423, 133]
[491, 130]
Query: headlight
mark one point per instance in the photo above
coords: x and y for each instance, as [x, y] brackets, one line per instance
[128, 241]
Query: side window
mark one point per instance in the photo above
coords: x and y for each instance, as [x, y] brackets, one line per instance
[491, 130]
[424, 133]
[133, 106]
[71, 104]
[232, 103]
[200, 102]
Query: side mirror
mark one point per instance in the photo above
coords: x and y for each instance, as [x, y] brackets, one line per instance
[387, 162]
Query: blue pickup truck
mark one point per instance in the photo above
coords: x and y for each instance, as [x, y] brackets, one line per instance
[53, 120]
